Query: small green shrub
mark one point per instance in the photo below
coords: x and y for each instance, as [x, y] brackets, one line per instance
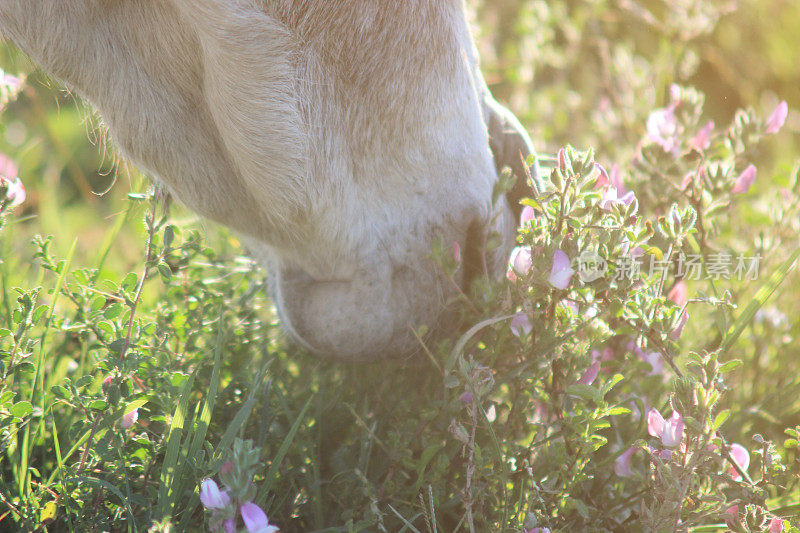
[632, 372]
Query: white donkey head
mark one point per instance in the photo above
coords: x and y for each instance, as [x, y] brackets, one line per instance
[339, 138]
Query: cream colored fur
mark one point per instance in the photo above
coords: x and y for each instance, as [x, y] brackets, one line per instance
[340, 138]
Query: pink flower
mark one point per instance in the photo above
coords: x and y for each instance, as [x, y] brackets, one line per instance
[653, 359]
[675, 93]
[673, 430]
[636, 251]
[107, 382]
[733, 515]
[457, 252]
[129, 419]
[255, 520]
[606, 355]
[212, 497]
[622, 464]
[519, 263]
[229, 525]
[655, 423]
[15, 191]
[562, 161]
[662, 128]
[679, 293]
[10, 86]
[590, 375]
[702, 140]
[614, 179]
[561, 273]
[775, 525]
[611, 198]
[466, 397]
[538, 530]
[745, 180]
[678, 331]
[602, 178]
[521, 325]
[528, 214]
[742, 458]
[572, 305]
[777, 118]
[669, 431]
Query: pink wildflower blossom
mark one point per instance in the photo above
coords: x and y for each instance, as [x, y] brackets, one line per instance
[679, 293]
[528, 214]
[745, 180]
[777, 118]
[590, 374]
[521, 325]
[622, 464]
[702, 140]
[129, 419]
[670, 431]
[678, 331]
[662, 129]
[255, 519]
[742, 458]
[212, 497]
[15, 191]
[561, 273]
[519, 263]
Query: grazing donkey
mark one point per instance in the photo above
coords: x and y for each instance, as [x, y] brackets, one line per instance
[339, 138]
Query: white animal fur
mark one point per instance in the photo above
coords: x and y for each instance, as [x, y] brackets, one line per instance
[340, 138]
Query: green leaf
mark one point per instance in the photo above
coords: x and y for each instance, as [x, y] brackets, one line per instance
[98, 405]
[427, 454]
[130, 282]
[730, 366]
[721, 418]
[616, 411]
[169, 235]
[21, 409]
[612, 382]
[585, 392]
[165, 272]
[48, 512]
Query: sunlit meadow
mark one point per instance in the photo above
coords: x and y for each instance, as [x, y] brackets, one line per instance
[636, 368]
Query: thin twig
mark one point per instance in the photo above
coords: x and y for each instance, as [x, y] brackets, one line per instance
[85, 453]
[151, 229]
[471, 470]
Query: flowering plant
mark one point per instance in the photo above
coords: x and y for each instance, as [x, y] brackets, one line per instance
[633, 371]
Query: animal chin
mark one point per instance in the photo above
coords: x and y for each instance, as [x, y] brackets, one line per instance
[372, 316]
[377, 313]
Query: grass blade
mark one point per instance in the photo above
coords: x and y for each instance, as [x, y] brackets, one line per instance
[758, 301]
[169, 469]
[272, 473]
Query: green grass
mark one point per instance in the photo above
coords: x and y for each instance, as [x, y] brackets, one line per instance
[95, 323]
